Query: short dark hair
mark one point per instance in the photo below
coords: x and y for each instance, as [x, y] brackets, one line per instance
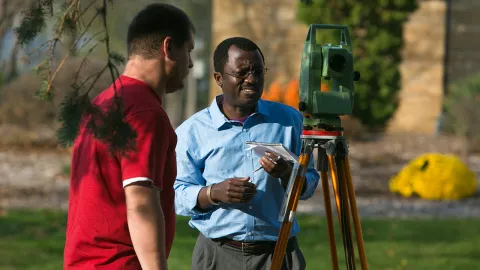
[152, 24]
[220, 56]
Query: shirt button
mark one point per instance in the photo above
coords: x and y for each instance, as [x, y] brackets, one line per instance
[250, 233]
[250, 207]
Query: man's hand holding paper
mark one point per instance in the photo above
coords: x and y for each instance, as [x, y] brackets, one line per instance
[276, 166]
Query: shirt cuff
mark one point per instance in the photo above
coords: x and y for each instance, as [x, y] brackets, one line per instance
[191, 197]
[309, 187]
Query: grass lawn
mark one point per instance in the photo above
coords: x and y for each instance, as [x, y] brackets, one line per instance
[34, 240]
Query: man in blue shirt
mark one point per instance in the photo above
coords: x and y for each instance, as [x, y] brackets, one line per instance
[234, 207]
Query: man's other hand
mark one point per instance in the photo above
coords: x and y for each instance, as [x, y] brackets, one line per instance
[234, 190]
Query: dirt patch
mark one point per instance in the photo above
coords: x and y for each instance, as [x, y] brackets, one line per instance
[35, 178]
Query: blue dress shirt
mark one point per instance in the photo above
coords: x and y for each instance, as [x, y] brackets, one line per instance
[212, 148]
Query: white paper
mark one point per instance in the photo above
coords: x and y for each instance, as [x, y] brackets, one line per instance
[260, 148]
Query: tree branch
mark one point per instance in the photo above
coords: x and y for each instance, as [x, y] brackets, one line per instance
[84, 60]
[108, 126]
[51, 77]
[54, 44]
[107, 44]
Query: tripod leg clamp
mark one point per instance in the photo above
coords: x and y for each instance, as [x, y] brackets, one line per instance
[332, 144]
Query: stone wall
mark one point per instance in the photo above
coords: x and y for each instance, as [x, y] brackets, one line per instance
[421, 92]
[464, 40]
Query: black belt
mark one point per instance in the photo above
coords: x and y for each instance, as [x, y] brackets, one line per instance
[249, 247]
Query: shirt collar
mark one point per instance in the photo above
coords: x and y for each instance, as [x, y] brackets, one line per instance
[219, 119]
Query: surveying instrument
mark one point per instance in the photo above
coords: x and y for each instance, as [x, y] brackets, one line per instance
[322, 130]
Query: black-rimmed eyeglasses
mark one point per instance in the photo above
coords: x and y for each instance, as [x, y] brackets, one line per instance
[245, 73]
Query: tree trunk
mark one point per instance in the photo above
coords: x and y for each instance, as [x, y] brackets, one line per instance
[191, 93]
[11, 70]
[174, 107]
[3, 13]
[3, 27]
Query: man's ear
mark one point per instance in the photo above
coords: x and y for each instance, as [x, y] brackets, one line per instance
[168, 48]
[218, 78]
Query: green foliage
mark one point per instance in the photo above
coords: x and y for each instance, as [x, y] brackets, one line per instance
[66, 170]
[33, 23]
[41, 67]
[66, 20]
[45, 92]
[462, 106]
[71, 111]
[111, 127]
[108, 126]
[117, 58]
[377, 39]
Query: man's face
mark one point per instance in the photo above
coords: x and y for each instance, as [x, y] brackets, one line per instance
[242, 78]
[182, 62]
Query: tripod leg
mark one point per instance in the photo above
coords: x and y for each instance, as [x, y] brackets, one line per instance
[343, 210]
[356, 219]
[345, 198]
[335, 190]
[323, 169]
[328, 213]
[284, 234]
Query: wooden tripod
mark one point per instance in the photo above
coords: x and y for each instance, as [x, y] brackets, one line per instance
[333, 157]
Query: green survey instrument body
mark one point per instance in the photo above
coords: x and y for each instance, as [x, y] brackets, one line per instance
[326, 62]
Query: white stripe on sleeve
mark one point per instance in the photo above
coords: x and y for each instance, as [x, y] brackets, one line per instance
[129, 181]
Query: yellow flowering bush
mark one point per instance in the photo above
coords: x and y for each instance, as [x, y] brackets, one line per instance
[435, 176]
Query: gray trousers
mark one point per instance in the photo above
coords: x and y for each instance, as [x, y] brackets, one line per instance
[209, 255]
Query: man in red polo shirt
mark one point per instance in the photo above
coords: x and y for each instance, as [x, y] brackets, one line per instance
[121, 209]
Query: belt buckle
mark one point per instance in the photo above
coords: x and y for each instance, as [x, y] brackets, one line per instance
[243, 246]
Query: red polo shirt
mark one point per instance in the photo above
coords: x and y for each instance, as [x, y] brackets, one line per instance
[97, 231]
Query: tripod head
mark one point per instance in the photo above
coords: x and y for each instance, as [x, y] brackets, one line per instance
[322, 110]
